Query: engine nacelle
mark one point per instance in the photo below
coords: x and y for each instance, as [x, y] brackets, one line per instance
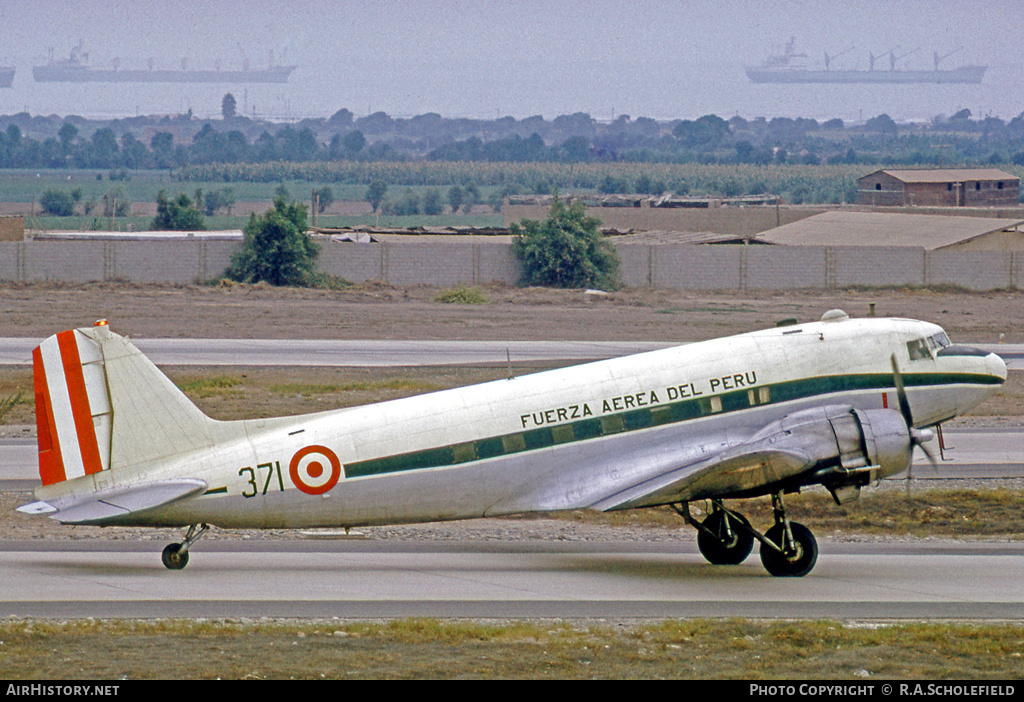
[848, 447]
[873, 438]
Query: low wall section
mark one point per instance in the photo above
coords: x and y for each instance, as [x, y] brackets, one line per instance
[680, 266]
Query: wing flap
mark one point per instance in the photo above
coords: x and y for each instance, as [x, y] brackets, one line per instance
[744, 468]
[100, 506]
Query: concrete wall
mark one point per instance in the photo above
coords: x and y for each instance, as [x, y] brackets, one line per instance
[680, 266]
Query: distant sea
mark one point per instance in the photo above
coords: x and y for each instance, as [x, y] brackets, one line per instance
[488, 90]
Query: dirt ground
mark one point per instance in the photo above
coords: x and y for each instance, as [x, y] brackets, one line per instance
[373, 311]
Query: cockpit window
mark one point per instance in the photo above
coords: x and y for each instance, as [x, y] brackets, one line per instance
[918, 349]
[928, 346]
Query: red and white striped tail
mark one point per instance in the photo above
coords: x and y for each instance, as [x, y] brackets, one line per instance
[73, 414]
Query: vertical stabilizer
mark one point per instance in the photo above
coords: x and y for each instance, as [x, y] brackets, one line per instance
[102, 405]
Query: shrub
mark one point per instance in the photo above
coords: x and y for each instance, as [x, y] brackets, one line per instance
[57, 203]
[177, 215]
[462, 295]
[276, 248]
[566, 250]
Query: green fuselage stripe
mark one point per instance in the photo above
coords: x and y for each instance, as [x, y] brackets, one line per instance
[647, 417]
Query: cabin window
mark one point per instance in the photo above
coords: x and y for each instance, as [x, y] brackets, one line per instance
[977, 186]
[999, 185]
[918, 349]
[878, 186]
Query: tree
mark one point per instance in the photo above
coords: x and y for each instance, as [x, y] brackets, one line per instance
[432, 202]
[276, 248]
[375, 193]
[57, 203]
[706, 132]
[566, 250]
[455, 197]
[104, 148]
[227, 106]
[882, 123]
[67, 134]
[323, 197]
[353, 143]
[162, 145]
[177, 215]
[215, 200]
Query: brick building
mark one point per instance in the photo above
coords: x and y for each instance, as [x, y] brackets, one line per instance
[942, 187]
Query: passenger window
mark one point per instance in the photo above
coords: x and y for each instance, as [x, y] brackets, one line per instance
[918, 349]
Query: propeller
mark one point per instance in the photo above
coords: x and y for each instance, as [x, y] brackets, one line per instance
[918, 437]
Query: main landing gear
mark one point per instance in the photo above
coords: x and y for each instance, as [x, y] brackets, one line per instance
[788, 549]
[175, 556]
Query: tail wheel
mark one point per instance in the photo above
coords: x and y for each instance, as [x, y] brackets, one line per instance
[729, 541]
[174, 558]
[797, 558]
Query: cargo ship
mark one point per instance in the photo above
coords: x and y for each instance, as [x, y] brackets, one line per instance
[786, 68]
[75, 69]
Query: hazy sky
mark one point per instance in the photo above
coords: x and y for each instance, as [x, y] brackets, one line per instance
[489, 58]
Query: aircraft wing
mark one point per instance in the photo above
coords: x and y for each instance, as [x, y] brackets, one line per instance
[834, 445]
[119, 501]
[745, 467]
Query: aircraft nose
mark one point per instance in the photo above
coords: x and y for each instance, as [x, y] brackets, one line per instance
[996, 366]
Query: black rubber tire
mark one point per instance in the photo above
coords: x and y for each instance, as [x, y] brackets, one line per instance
[173, 557]
[719, 551]
[795, 565]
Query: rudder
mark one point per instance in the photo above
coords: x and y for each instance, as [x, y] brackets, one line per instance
[102, 405]
[73, 414]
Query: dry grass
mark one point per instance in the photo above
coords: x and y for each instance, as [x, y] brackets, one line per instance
[425, 648]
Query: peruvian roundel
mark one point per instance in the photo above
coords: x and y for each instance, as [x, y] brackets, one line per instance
[315, 469]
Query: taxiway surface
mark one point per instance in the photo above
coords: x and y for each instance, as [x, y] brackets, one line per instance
[607, 580]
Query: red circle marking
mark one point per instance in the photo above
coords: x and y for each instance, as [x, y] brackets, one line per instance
[314, 469]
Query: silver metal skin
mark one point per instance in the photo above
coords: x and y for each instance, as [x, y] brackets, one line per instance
[838, 402]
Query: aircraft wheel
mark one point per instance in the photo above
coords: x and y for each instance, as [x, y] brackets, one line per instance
[792, 565]
[174, 558]
[726, 549]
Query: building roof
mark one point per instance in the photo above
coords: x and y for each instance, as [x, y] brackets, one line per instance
[944, 175]
[930, 232]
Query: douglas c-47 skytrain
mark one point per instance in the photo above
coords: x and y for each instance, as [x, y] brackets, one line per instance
[839, 403]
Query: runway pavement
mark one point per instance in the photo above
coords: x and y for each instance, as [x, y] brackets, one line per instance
[380, 579]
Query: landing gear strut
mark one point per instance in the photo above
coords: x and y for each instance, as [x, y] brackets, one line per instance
[175, 556]
[788, 549]
[724, 537]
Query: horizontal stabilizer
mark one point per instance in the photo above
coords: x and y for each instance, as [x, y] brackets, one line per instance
[106, 504]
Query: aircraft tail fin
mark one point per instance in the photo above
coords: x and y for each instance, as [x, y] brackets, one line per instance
[102, 405]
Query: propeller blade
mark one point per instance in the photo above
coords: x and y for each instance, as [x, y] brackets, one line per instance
[901, 393]
[918, 438]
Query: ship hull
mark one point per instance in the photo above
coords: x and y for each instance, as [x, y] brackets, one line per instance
[966, 74]
[60, 74]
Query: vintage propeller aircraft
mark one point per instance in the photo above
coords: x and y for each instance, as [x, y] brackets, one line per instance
[841, 403]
